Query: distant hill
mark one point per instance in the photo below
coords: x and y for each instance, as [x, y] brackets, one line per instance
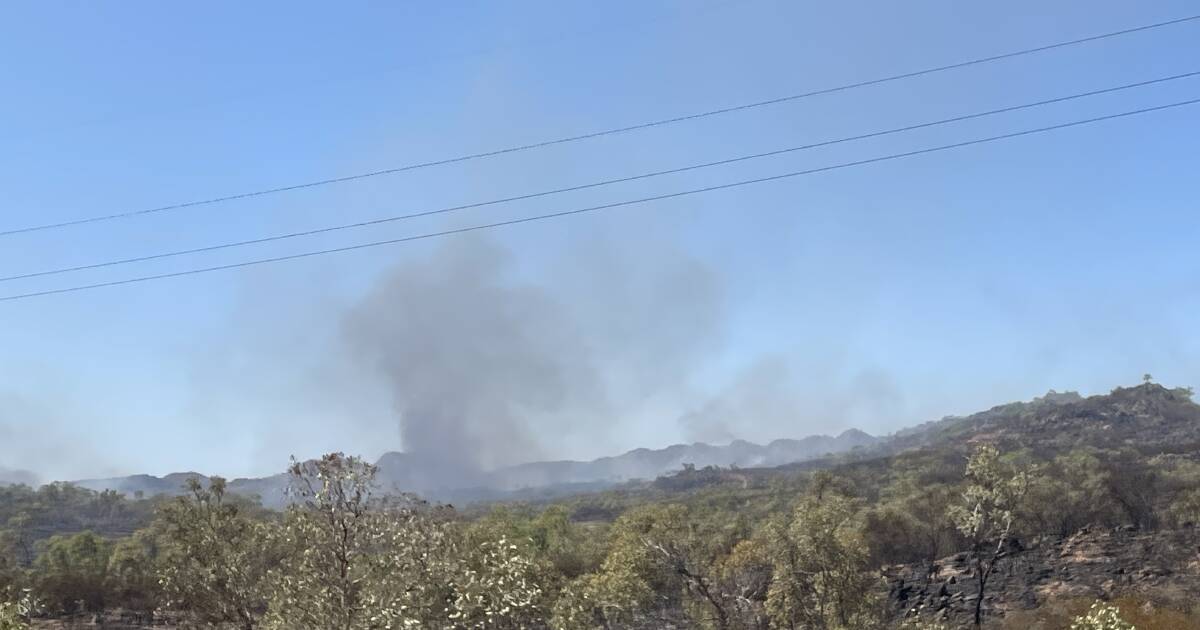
[645, 463]
[1147, 416]
[401, 472]
[16, 476]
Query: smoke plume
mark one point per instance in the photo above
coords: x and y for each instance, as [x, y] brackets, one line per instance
[487, 369]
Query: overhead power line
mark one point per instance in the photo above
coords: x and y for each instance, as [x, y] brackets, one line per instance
[597, 134]
[607, 182]
[618, 204]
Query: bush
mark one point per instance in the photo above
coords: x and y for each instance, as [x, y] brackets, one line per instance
[1101, 616]
[15, 615]
[72, 572]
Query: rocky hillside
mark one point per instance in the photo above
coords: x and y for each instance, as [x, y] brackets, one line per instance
[1161, 567]
[1148, 416]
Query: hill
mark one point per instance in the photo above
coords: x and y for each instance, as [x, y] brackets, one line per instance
[402, 472]
[1149, 417]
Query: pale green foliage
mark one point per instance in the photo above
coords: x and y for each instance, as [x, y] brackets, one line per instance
[1068, 494]
[616, 594]
[995, 491]
[808, 571]
[71, 572]
[214, 564]
[11, 618]
[991, 499]
[660, 560]
[132, 577]
[820, 576]
[918, 624]
[15, 615]
[497, 587]
[549, 535]
[356, 563]
[407, 576]
[548, 551]
[910, 522]
[623, 590]
[745, 574]
[1101, 616]
[337, 549]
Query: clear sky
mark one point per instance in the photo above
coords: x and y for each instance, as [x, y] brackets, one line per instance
[874, 297]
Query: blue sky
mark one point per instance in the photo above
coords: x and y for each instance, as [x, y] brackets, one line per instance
[892, 293]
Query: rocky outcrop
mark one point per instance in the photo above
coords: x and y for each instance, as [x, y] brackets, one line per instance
[1092, 564]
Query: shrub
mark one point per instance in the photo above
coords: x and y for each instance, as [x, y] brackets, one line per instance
[1101, 616]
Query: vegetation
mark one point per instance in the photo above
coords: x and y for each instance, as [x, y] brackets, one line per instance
[16, 615]
[986, 515]
[803, 547]
[1103, 616]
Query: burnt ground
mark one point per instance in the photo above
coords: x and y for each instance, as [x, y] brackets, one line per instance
[1092, 564]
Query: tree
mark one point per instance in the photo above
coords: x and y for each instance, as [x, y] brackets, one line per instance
[329, 534]
[496, 587]
[214, 561]
[549, 536]
[745, 575]
[1069, 493]
[911, 523]
[132, 582]
[11, 574]
[1185, 509]
[72, 572]
[1133, 485]
[16, 543]
[820, 578]
[354, 560]
[660, 561]
[987, 513]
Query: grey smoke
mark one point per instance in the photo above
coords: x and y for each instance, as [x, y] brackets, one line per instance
[9, 476]
[468, 358]
[764, 392]
[36, 444]
[487, 369]
[770, 399]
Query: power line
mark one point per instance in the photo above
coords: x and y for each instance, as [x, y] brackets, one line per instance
[608, 182]
[576, 211]
[597, 134]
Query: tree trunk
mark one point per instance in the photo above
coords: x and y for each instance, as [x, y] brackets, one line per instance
[983, 576]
